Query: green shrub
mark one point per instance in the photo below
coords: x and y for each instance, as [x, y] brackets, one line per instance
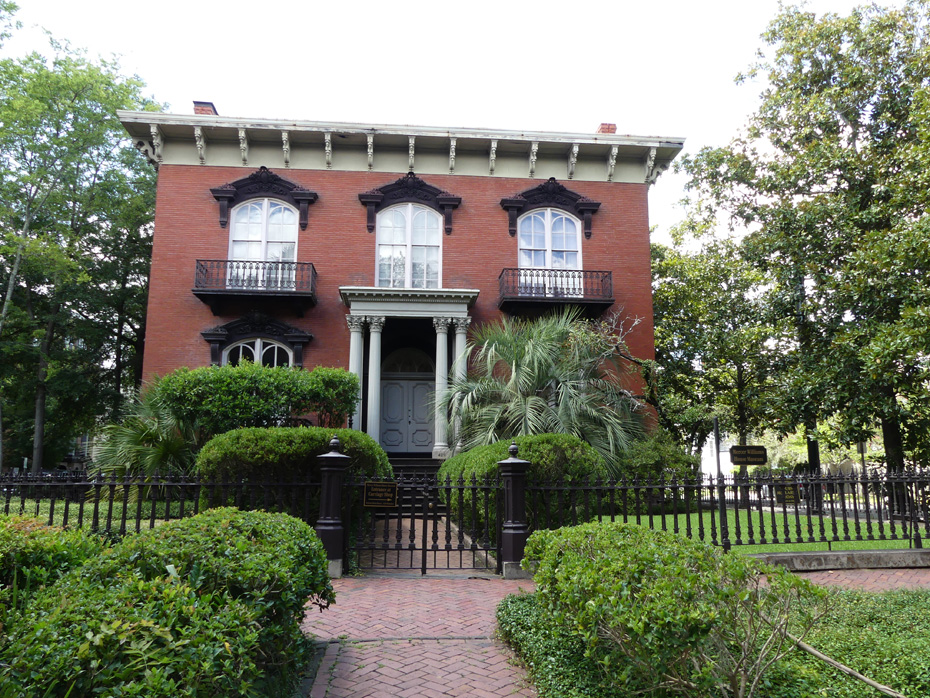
[657, 456]
[152, 639]
[211, 604]
[33, 555]
[552, 457]
[287, 453]
[217, 399]
[884, 636]
[554, 657]
[658, 611]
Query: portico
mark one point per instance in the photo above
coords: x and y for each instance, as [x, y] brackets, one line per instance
[404, 397]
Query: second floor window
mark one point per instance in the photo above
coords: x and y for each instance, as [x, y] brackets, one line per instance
[409, 247]
[263, 244]
[549, 239]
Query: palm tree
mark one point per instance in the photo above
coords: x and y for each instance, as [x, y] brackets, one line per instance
[149, 440]
[555, 374]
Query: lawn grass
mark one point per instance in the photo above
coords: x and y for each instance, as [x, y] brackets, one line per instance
[78, 516]
[793, 537]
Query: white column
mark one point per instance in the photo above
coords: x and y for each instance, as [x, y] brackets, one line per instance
[460, 367]
[356, 325]
[440, 447]
[375, 325]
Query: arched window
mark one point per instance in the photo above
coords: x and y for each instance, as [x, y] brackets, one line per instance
[263, 245]
[549, 239]
[259, 351]
[409, 247]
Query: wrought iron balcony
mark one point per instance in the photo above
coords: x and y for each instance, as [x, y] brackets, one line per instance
[217, 281]
[534, 289]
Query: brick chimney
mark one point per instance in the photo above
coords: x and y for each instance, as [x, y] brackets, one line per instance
[205, 108]
[607, 128]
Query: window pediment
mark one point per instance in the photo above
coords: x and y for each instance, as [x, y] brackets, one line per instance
[550, 194]
[263, 183]
[410, 189]
[255, 325]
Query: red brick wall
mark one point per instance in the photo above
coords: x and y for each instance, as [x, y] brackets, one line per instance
[343, 252]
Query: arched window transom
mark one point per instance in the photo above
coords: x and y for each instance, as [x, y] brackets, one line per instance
[549, 239]
[409, 247]
[258, 350]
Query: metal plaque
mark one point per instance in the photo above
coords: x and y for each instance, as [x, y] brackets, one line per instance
[380, 494]
[748, 455]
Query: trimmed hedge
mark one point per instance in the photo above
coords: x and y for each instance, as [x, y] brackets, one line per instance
[205, 606]
[658, 611]
[552, 457]
[286, 453]
[33, 555]
[219, 398]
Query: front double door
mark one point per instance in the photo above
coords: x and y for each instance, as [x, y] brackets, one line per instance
[407, 418]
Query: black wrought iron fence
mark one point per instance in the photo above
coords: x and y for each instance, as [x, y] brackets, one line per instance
[116, 506]
[753, 511]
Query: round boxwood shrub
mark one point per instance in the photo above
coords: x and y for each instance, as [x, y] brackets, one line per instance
[33, 555]
[552, 457]
[286, 453]
[205, 606]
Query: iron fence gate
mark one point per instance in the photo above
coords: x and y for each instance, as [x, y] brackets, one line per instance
[434, 524]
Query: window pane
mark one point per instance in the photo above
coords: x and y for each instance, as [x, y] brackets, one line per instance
[392, 265]
[425, 227]
[282, 223]
[275, 355]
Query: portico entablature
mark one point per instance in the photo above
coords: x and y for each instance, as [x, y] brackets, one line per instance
[408, 302]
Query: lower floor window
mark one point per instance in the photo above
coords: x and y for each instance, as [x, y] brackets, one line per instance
[259, 351]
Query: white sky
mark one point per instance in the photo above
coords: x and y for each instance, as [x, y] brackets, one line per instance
[662, 68]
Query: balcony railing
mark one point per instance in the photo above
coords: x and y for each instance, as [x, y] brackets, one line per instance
[218, 279]
[547, 286]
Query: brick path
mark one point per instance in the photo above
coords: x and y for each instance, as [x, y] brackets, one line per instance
[407, 635]
[872, 580]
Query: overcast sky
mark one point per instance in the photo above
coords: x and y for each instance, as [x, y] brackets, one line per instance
[663, 68]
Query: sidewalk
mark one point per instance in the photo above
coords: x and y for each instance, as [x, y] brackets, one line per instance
[872, 580]
[401, 635]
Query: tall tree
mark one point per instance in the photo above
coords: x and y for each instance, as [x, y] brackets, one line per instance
[823, 179]
[712, 345]
[63, 158]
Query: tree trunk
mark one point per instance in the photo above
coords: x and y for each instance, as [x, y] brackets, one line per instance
[38, 434]
[894, 444]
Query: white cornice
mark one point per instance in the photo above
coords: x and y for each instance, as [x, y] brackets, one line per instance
[378, 294]
[145, 119]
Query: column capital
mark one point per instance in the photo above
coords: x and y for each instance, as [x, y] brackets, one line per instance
[356, 323]
[462, 323]
[442, 323]
[376, 322]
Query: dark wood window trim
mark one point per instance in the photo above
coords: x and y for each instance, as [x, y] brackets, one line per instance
[261, 184]
[410, 189]
[550, 194]
[253, 326]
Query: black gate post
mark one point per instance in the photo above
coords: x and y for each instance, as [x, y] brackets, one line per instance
[514, 530]
[329, 526]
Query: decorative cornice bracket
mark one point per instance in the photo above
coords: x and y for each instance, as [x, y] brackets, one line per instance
[244, 146]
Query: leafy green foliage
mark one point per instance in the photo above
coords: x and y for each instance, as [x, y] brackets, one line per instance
[76, 205]
[712, 352]
[830, 178]
[552, 457]
[556, 374]
[33, 555]
[659, 612]
[555, 658]
[286, 453]
[216, 399]
[205, 606]
[883, 636]
[658, 456]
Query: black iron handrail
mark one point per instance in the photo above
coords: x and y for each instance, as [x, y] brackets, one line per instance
[242, 275]
[569, 284]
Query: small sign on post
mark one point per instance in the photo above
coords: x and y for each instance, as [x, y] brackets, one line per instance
[380, 495]
[748, 455]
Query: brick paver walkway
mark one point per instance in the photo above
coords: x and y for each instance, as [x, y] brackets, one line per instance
[872, 580]
[402, 635]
